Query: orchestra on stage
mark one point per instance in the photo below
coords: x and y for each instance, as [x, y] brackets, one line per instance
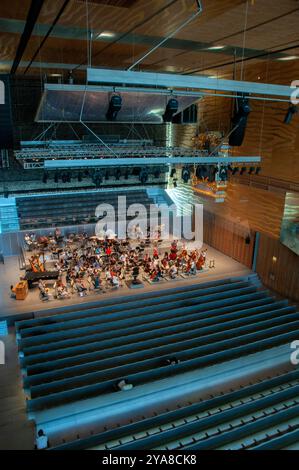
[82, 264]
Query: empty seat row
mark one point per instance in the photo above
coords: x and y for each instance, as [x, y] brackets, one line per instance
[84, 354]
[40, 211]
[252, 417]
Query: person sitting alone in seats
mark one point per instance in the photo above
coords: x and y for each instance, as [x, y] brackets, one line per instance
[41, 441]
[171, 361]
[43, 290]
[123, 386]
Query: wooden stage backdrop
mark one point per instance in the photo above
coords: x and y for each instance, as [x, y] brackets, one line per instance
[278, 267]
[229, 237]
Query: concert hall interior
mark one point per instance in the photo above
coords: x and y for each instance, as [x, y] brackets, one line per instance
[149, 225]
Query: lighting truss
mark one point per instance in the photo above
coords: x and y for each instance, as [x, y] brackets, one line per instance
[190, 83]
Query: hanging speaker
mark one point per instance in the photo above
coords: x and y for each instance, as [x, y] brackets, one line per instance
[114, 107]
[6, 125]
[239, 121]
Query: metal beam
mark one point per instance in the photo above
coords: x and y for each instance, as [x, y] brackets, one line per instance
[169, 36]
[34, 11]
[117, 162]
[119, 89]
[193, 82]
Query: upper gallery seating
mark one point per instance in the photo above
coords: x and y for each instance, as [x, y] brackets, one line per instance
[70, 209]
[84, 353]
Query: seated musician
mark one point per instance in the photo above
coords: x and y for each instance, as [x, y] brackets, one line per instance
[193, 267]
[43, 290]
[81, 289]
[200, 263]
[12, 292]
[114, 280]
[57, 234]
[96, 281]
[62, 292]
[28, 241]
[173, 271]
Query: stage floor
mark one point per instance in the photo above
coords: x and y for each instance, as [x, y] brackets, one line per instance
[10, 309]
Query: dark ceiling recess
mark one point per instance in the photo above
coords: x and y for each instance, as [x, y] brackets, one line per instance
[34, 11]
[57, 18]
[114, 3]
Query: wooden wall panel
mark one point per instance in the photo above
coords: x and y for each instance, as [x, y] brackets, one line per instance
[283, 275]
[266, 134]
[229, 238]
[182, 134]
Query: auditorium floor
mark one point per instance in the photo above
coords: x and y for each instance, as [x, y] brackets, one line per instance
[16, 431]
[10, 309]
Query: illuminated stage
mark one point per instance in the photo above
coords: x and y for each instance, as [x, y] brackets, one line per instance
[12, 309]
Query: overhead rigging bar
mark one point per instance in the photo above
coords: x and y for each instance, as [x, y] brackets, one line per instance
[117, 162]
[169, 36]
[193, 82]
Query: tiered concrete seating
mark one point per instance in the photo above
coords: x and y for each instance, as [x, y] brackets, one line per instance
[68, 209]
[259, 416]
[85, 353]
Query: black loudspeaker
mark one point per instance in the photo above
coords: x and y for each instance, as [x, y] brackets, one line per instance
[171, 108]
[6, 126]
[114, 107]
[239, 121]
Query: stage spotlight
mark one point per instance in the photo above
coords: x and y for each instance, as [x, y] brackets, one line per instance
[97, 178]
[239, 121]
[157, 172]
[114, 107]
[258, 170]
[290, 113]
[173, 172]
[136, 171]
[198, 172]
[143, 176]
[243, 170]
[186, 174]
[213, 170]
[235, 170]
[171, 109]
[223, 173]
[251, 170]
